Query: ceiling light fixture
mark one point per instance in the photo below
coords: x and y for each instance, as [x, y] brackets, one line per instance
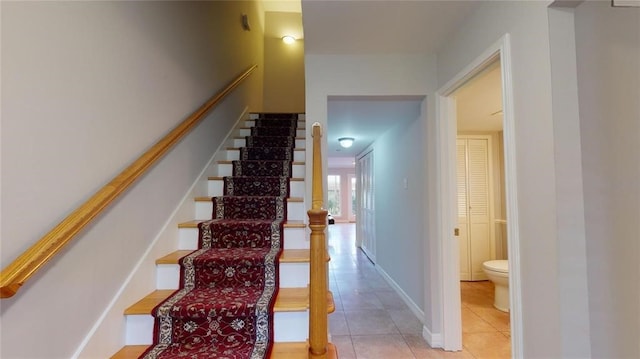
[346, 142]
[288, 39]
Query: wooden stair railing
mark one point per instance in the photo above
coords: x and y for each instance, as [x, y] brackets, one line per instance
[318, 332]
[28, 263]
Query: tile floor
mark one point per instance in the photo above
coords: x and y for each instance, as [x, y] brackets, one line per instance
[372, 322]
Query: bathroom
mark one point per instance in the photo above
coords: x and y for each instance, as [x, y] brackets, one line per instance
[482, 220]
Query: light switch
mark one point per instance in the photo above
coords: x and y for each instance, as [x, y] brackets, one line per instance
[405, 183]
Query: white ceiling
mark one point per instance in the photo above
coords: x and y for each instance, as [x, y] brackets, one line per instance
[479, 101]
[380, 27]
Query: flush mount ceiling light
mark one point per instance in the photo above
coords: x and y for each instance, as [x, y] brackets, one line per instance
[346, 142]
[288, 39]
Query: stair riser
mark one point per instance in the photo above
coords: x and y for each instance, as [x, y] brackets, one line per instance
[287, 326]
[241, 142]
[294, 238]
[291, 326]
[216, 188]
[225, 169]
[292, 275]
[234, 155]
[295, 210]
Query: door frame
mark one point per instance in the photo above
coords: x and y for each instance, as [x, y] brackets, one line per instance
[448, 257]
[361, 219]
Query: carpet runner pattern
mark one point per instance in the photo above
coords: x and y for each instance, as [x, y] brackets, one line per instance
[228, 287]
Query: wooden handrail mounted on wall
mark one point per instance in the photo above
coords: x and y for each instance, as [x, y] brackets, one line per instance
[29, 262]
[318, 331]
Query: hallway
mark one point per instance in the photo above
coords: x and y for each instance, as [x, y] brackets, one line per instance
[372, 322]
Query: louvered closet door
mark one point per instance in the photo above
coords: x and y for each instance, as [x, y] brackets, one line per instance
[463, 207]
[473, 206]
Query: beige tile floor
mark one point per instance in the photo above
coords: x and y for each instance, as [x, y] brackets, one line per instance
[372, 322]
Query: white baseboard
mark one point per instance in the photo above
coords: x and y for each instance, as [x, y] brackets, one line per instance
[433, 339]
[407, 300]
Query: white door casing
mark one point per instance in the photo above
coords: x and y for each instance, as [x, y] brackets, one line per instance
[451, 329]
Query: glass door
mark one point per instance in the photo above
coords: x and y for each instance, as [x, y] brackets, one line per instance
[352, 198]
[334, 197]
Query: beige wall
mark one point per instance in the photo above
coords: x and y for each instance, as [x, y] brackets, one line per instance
[283, 76]
[608, 59]
[556, 154]
[86, 88]
[527, 25]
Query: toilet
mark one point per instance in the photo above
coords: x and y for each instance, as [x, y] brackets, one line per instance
[498, 272]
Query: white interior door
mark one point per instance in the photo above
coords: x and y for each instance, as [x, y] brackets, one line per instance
[352, 197]
[365, 225]
[474, 205]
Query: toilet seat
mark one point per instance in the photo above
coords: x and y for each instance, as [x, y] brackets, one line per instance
[500, 266]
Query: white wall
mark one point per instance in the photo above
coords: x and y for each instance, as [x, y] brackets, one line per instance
[527, 23]
[608, 59]
[87, 87]
[400, 211]
[403, 256]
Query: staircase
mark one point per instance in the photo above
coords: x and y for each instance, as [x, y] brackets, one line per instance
[291, 308]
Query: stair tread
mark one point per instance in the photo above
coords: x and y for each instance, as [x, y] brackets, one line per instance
[130, 352]
[221, 178]
[289, 199]
[288, 256]
[286, 350]
[288, 300]
[150, 301]
[174, 257]
[287, 224]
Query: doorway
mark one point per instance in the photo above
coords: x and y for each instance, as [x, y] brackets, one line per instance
[448, 204]
[341, 194]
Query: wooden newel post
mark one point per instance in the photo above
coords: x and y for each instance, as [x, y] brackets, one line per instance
[318, 323]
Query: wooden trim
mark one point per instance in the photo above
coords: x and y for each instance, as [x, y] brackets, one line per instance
[30, 261]
[318, 321]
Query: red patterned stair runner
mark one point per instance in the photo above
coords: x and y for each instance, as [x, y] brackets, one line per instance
[224, 307]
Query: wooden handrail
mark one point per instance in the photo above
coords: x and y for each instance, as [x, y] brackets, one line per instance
[28, 263]
[318, 333]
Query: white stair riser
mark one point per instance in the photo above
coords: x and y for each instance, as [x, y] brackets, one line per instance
[234, 155]
[291, 326]
[226, 169]
[294, 238]
[295, 210]
[287, 327]
[216, 188]
[292, 275]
